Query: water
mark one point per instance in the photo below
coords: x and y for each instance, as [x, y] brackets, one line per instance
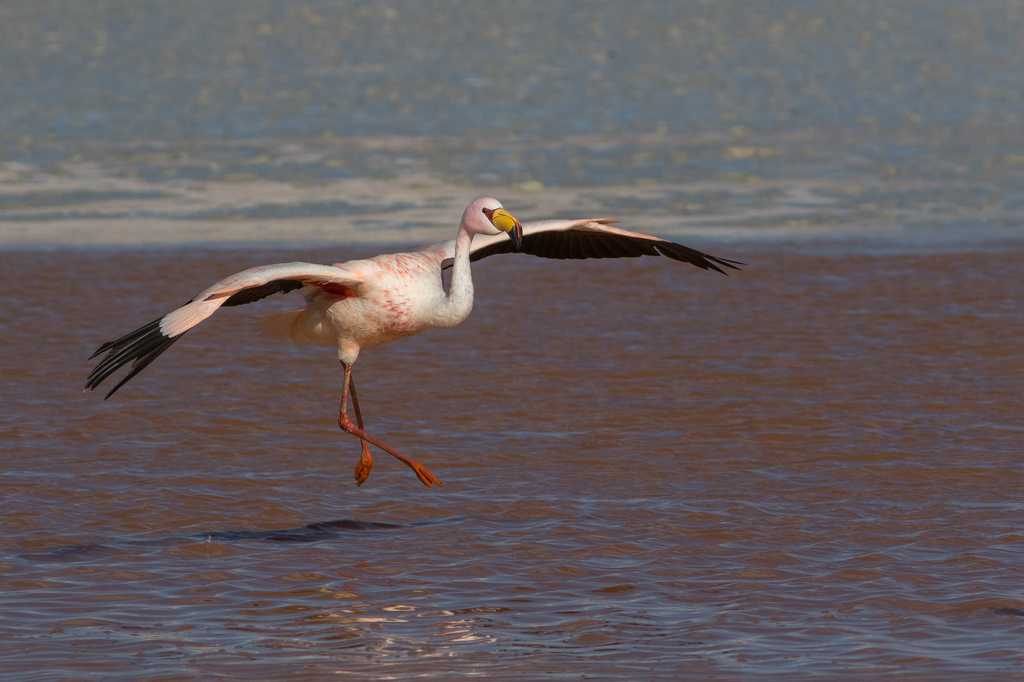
[810, 468]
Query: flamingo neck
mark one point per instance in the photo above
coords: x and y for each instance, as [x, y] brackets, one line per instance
[459, 302]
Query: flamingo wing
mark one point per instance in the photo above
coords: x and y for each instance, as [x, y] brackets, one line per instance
[146, 343]
[580, 239]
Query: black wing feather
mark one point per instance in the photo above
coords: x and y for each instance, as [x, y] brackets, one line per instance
[114, 346]
[702, 260]
[576, 248]
[504, 246]
[146, 343]
[253, 294]
[579, 244]
[139, 347]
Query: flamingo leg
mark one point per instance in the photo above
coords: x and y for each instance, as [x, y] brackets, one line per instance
[427, 478]
[366, 459]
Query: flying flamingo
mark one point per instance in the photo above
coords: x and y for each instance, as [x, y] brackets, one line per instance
[365, 303]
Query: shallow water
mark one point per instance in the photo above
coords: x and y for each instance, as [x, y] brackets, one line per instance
[812, 466]
[807, 469]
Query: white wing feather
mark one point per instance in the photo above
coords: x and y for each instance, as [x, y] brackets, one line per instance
[207, 303]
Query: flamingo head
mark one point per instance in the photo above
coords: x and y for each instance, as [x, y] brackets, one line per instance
[486, 216]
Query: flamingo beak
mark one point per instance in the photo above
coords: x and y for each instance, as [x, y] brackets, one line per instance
[506, 222]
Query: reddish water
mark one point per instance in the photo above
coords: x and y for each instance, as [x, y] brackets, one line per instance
[813, 466]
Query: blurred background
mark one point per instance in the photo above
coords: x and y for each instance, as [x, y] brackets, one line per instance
[356, 121]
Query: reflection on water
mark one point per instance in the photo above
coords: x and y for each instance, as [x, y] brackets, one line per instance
[311, 532]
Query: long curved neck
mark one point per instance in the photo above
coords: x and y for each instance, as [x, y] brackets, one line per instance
[459, 302]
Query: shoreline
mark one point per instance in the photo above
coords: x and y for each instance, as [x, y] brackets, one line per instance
[85, 205]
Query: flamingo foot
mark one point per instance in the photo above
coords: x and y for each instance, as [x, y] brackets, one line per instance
[428, 479]
[363, 465]
[424, 475]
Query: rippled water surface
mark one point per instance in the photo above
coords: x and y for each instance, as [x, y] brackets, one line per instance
[811, 466]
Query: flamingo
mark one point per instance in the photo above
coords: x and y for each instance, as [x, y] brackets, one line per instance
[365, 303]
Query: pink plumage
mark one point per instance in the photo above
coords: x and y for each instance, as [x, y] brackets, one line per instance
[361, 304]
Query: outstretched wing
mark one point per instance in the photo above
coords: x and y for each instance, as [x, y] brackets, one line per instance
[579, 239]
[143, 345]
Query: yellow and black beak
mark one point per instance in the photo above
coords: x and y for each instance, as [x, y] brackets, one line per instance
[504, 221]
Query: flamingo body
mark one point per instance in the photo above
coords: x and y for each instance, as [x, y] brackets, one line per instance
[365, 303]
[386, 298]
